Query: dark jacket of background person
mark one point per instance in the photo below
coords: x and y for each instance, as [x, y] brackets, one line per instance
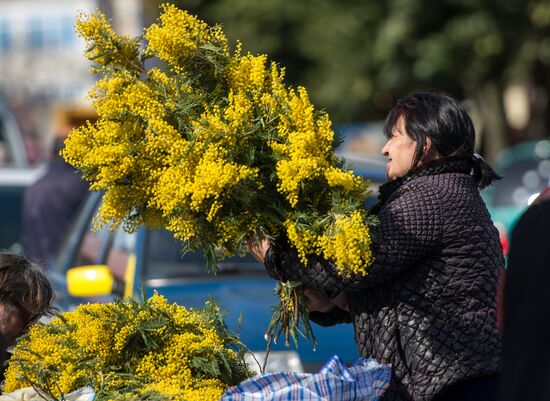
[428, 303]
[49, 206]
[526, 373]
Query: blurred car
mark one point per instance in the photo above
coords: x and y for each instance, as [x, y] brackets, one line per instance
[13, 182]
[361, 148]
[371, 168]
[12, 148]
[525, 169]
[98, 266]
[15, 176]
[362, 138]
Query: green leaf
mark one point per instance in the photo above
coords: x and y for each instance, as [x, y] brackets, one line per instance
[210, 258]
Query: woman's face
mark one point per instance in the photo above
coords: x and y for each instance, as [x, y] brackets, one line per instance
[400, 150]
[14, 322]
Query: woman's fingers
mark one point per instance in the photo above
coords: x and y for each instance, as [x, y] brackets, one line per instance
[258, 249]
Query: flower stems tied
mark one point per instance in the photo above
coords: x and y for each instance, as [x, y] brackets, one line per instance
[290, 316]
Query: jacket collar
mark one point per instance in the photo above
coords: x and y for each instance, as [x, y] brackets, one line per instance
[442, 166]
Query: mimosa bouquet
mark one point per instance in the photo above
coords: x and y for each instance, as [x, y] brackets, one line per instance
[131, 350]
[214, 146]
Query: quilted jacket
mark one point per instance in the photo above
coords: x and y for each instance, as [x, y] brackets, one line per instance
[428, 303]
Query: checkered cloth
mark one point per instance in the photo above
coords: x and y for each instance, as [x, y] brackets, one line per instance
[366, 380]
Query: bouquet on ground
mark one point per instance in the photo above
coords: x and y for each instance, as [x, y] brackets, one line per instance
[131, 350]
[212, 145]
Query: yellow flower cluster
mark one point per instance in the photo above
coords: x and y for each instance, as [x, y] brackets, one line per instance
[348, 243]
[103, 45]
[137, 348]
[303, 240]
[345, 179]
[306, 147]
[213, 145]
[206, 179]
[179, 35]
[248, 74]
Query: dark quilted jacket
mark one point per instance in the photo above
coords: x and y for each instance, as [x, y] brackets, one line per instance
[428, 304]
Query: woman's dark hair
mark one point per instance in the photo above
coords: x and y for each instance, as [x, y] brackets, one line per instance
[23, 283]
[442, 119]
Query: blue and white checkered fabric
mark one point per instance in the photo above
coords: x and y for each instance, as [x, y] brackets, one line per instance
[366, 380]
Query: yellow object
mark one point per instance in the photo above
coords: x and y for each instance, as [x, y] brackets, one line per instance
[129, 276]
[90, 280]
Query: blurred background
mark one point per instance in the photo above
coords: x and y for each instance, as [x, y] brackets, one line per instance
[355, 57]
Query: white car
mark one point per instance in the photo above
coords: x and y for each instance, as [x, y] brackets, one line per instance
[12, 149]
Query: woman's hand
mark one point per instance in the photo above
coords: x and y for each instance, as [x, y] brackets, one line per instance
[258, 249]
[317, 300]
[341, 301]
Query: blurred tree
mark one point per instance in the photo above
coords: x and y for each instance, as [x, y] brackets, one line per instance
[533, 65]
[357, 56]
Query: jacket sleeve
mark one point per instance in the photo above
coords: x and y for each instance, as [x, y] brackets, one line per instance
[409, 229]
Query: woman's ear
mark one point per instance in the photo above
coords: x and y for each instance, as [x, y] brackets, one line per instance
[429, 151]
[427, 146]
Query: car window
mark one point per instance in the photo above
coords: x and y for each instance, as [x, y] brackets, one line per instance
[105, 246]
[92, 245]
[118, 255]
[164, 259]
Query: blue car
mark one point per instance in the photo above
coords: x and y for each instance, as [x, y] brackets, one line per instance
[97, 266]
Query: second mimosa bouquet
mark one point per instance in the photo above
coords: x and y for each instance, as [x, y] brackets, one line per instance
[214, 146]
[131, 350]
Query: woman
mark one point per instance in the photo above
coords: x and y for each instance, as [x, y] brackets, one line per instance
[428, 303]
[25, 295]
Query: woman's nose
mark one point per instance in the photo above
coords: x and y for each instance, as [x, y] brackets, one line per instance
[384, 150]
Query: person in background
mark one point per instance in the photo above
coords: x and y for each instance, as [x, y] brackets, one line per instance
[428, 303]
[25, 295]
[526, 357]
[49, 206]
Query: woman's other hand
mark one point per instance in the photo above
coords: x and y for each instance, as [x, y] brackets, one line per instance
[317, 300]
[258, 249]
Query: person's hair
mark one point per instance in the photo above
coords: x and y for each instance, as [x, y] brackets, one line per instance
[24, 284]
[441, 118]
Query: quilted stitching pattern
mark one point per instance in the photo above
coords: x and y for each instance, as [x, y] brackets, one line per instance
[428, 304]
